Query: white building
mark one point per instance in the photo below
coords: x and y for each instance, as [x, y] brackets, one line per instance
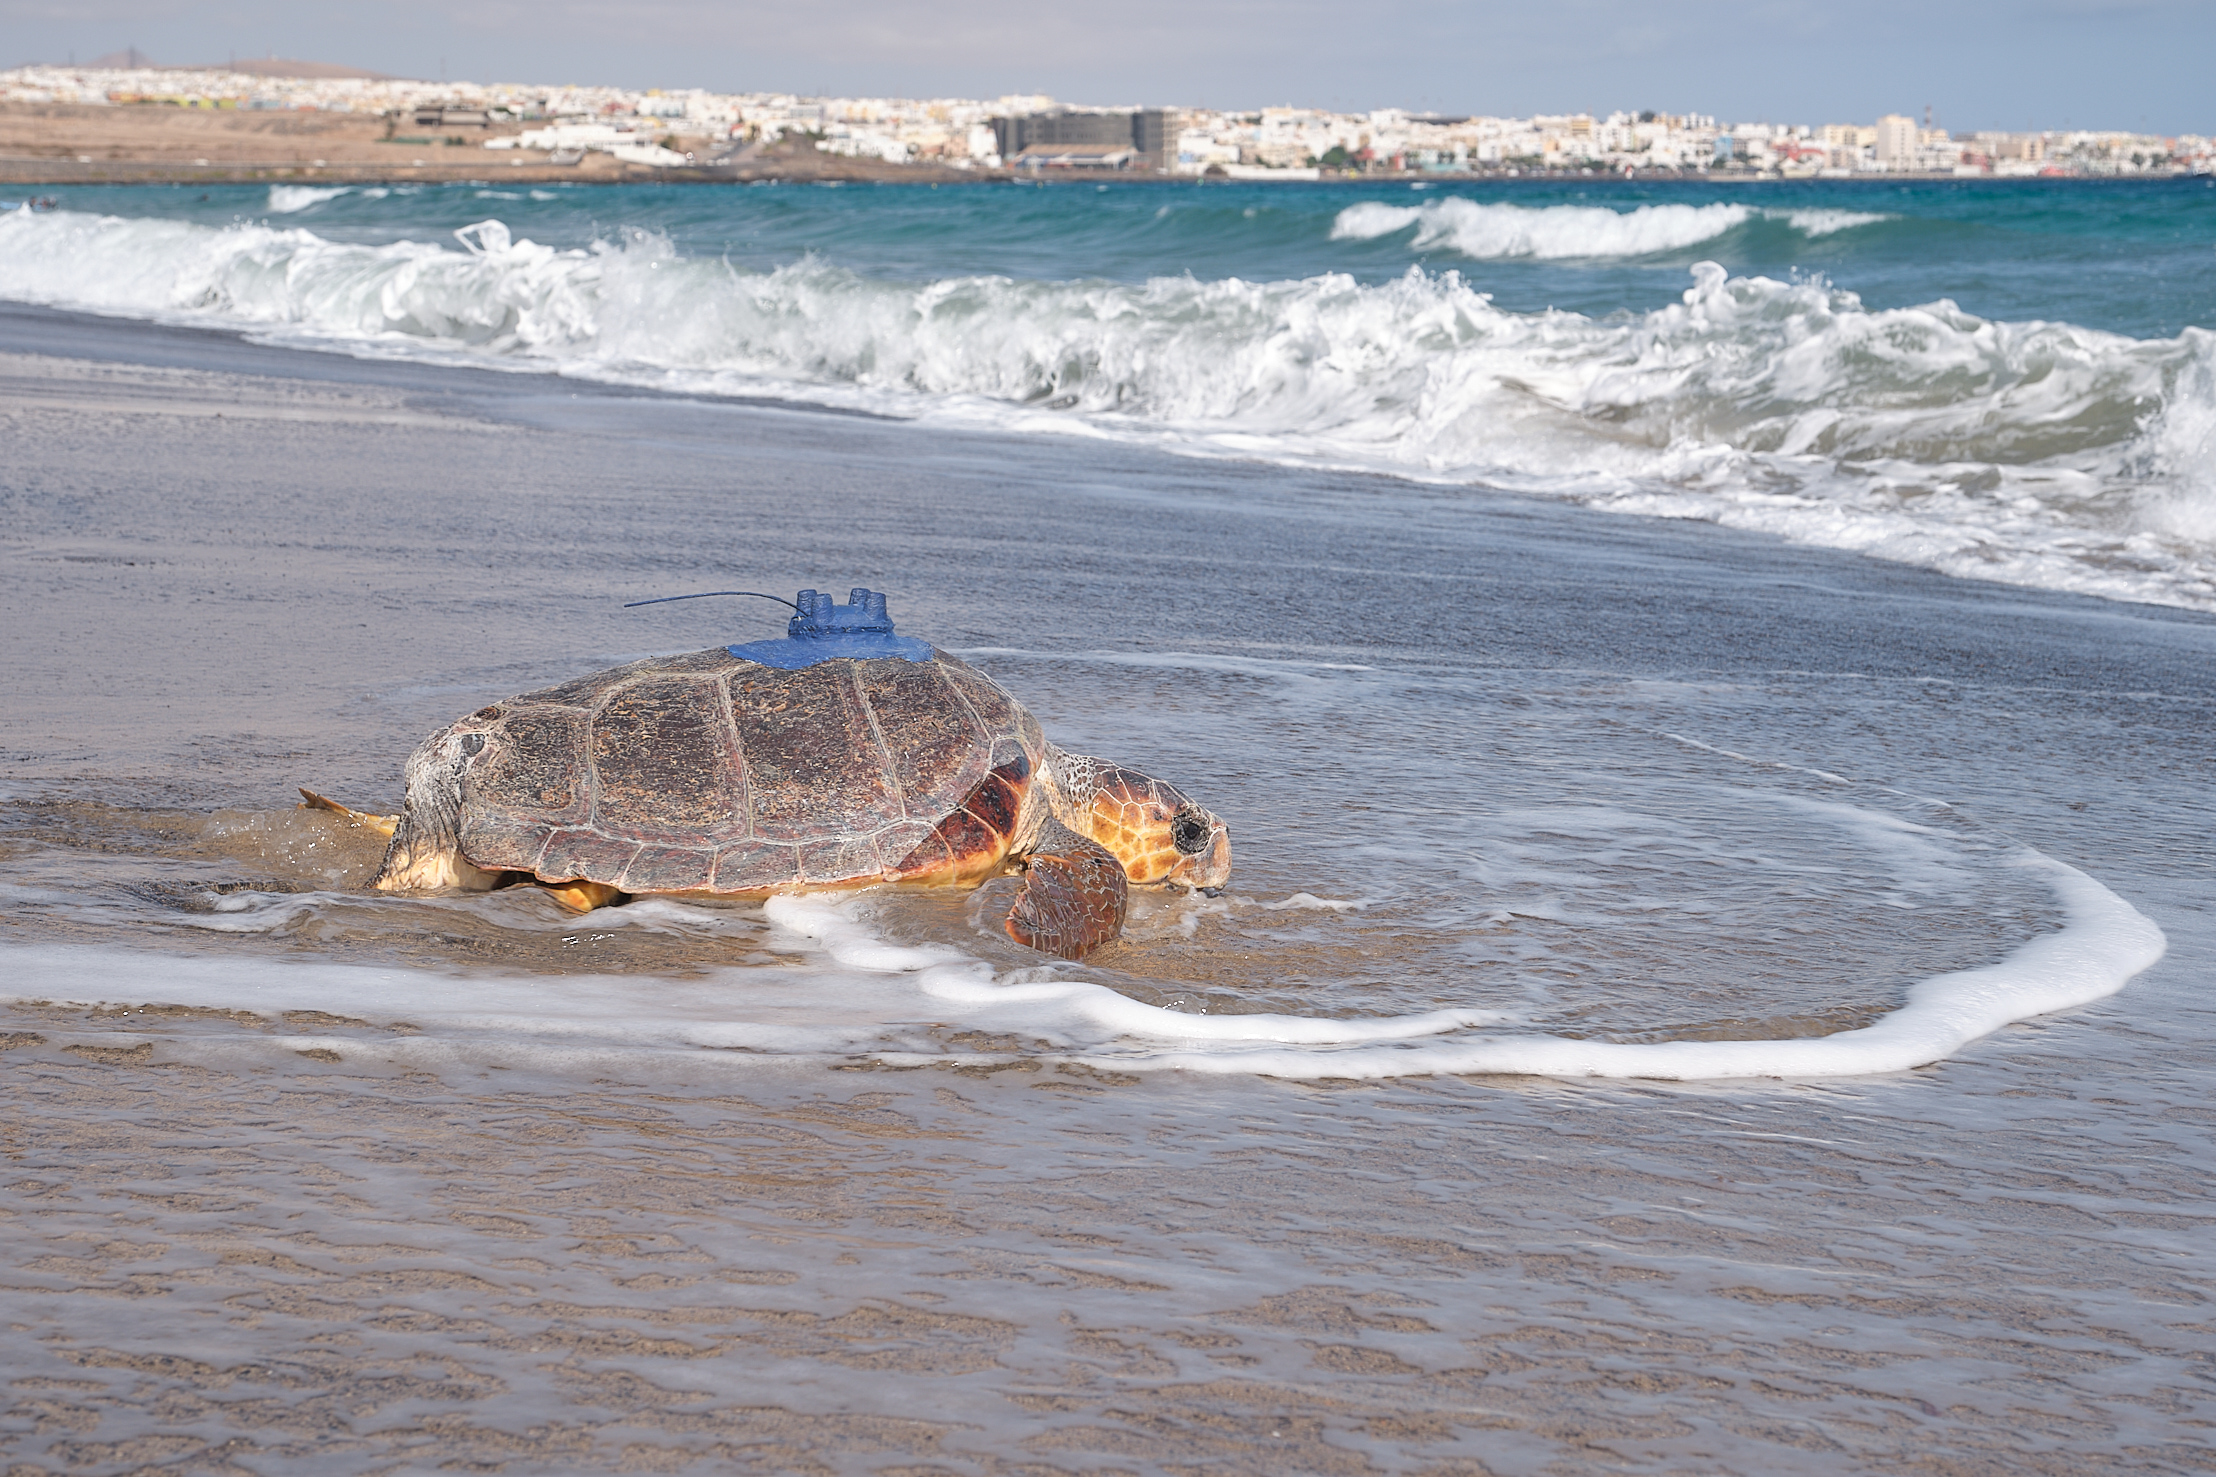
[1270, 143]
[1897, 143]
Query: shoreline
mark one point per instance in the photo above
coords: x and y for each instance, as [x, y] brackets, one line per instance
[322, 1236]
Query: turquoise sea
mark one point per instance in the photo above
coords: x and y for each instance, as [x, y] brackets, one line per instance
[2010, 380]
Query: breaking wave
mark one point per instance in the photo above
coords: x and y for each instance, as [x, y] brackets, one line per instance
[2036, 453]
[1491, 232]
[292, 199]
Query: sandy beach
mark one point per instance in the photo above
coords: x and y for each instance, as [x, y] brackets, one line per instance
[71, 143]
[341, 1233]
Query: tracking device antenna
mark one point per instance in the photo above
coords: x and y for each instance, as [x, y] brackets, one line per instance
[821, 630]
[706, 595]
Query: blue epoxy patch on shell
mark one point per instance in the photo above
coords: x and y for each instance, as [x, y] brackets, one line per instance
[825, 630]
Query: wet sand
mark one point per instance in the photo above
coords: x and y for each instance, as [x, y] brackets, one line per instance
[263, 1242]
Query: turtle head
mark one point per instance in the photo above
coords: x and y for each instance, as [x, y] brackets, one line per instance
[1148, 824]
[425, 854]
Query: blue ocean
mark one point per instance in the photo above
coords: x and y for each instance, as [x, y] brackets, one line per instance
[2012, 381]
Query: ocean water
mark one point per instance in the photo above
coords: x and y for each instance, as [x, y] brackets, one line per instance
[2012, 381]
[1692, 997]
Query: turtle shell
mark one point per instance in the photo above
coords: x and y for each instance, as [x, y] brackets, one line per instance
[710, 773]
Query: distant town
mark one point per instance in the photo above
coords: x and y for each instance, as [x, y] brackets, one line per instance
[696, 130]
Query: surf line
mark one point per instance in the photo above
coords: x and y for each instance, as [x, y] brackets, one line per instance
[2103, 943]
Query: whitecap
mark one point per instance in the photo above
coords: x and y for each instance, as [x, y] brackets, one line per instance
[1490, 232]
[292, 199]
[1819, 222]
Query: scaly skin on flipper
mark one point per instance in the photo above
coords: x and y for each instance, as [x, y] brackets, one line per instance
[1073, 898]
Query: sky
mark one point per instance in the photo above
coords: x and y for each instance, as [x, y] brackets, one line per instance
[2014, 64]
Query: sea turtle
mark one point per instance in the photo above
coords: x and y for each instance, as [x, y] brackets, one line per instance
[840, 757]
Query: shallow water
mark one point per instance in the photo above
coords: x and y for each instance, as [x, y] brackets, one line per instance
[383, 1182]
[1427, 819]
[1641, 888]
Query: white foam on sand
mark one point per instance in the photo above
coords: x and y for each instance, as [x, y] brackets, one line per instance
[2104, 942]
[859, 995]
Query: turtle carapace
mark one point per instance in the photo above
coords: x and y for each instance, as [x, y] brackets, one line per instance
[712, 774]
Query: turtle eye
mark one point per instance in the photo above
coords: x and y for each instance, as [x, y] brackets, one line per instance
[472, 743]
[1189, 832]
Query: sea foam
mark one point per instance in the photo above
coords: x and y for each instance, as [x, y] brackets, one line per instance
[2037, 453]
[861, 995]
[1491, 232]
[2104, 943]
[291, 199]
[1487, 231]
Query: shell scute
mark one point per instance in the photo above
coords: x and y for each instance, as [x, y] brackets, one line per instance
[666, 762]
[753, 865]
[533, 766]
[968, 840]
[897, 843]
[934, 743]
[860, 859]
[669, 869]
[714, 661]
[1008, 724]
[815, 767]
[928, 855]
[997, 802]
[586, 854]
[824, 861]
[587, 691]
[500, 844]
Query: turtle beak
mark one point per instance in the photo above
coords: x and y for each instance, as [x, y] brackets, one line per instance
[1208, 869]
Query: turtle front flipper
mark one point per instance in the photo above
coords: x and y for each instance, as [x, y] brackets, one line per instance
[1073, 898]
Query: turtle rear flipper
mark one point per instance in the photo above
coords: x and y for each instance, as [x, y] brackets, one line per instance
[582, 897]
[383, 825]
[1073, 898]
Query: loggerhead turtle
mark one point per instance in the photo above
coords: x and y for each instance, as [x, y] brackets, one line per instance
[841, 756]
